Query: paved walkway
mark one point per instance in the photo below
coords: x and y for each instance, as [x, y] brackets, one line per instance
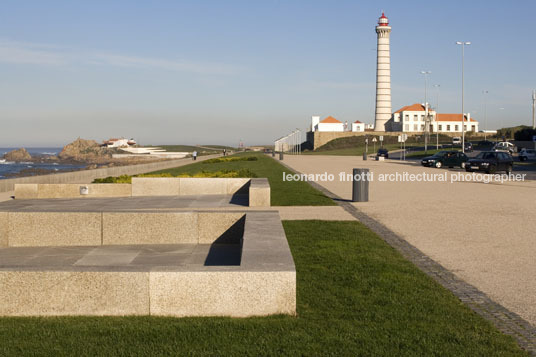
[480, 232]
[118, 257]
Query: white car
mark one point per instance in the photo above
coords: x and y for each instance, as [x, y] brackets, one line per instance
[527, 154]
[505, 146]
[456, 140]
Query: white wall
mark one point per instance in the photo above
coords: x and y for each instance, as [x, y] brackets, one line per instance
[314, 123]
[330, 127]
[358, 127]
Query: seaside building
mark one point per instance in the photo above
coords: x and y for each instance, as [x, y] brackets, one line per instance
[119, 143]
[358, 126]
[327, 124]
[411, 119]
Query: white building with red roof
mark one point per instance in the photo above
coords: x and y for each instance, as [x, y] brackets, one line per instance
[327, 124]
[358, 126]
[412, 119]
[119, 143]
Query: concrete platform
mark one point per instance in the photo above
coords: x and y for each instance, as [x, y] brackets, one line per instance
[248, 272]
[116, 204]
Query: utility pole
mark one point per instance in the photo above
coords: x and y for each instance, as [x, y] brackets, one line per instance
[485, 92]
[463, 44]
[426, 117]
[533, 109]
[437, 113]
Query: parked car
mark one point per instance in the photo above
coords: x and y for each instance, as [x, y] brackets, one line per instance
[468, 147]
[445, 158]
[505, 146]
[527, 154]
[456, 140]
[485, 143]
[490, 162]
[383, 152]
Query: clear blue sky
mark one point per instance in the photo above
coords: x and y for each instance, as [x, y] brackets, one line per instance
[220, 71]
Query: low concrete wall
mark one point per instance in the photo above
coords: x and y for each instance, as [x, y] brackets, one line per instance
[263, 284]
[70, 190]
[38, 229]
[182, 186]
[85, 176]
[258, 188]
[259, 193]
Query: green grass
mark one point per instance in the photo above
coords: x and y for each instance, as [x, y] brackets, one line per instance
[295, 193]
[356, 296]
[354, 151]
[189, 148]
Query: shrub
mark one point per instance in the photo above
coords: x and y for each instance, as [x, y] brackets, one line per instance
[245, 173]
[230, 159]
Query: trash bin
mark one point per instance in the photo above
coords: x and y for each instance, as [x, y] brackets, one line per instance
[360, 185]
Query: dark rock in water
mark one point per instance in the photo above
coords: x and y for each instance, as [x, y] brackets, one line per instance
[82, 150]
[18, 155]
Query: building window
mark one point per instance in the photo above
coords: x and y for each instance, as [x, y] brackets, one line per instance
[406, 117]
[448, 127]
[440, 127]
[456, 128]
[473, 128]
[416, 117]
[406, 127]
[422, 127]
[415, 127]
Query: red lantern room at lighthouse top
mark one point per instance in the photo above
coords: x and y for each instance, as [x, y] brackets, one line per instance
[383, 20]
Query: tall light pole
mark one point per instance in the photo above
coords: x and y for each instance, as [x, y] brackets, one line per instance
[533, 109]
[437, 86]
[463, 44]
[426, 118]
[485, 93]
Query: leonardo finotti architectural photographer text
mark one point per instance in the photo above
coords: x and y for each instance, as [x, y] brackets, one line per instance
[407, 177]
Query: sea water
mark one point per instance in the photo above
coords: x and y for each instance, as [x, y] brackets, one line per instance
[15, 167]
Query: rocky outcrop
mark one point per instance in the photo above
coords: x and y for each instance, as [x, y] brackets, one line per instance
[18, 155]
[85, 151]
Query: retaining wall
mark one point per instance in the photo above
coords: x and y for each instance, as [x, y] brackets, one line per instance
[38, 229]
[85, 176]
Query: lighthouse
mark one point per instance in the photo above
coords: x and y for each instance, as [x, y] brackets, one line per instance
[383, 75]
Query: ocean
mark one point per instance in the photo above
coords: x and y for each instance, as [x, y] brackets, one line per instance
[7, 168]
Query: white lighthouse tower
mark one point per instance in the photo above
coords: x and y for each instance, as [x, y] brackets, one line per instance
[383, 75]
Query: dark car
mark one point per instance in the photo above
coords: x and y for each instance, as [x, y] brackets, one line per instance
[468, 147]
[445, 158]
[491, 162]
[383, 152]
[486, 143]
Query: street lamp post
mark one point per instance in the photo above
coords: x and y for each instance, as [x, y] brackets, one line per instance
[437, 86]
[485, 92]
[533, 109]
[426, 117]
[463, 44]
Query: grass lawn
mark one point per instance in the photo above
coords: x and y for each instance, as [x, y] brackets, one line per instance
[353, 151]
[295, 193]
[190, 148]
[356, 296]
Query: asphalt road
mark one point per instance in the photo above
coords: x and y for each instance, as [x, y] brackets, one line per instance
[528, 169]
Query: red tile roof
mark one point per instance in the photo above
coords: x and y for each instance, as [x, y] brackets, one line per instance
[413, 108]
[358, 122]
[331, 120]
[451, 117]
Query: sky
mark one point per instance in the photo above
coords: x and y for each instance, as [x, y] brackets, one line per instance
[220, 72]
